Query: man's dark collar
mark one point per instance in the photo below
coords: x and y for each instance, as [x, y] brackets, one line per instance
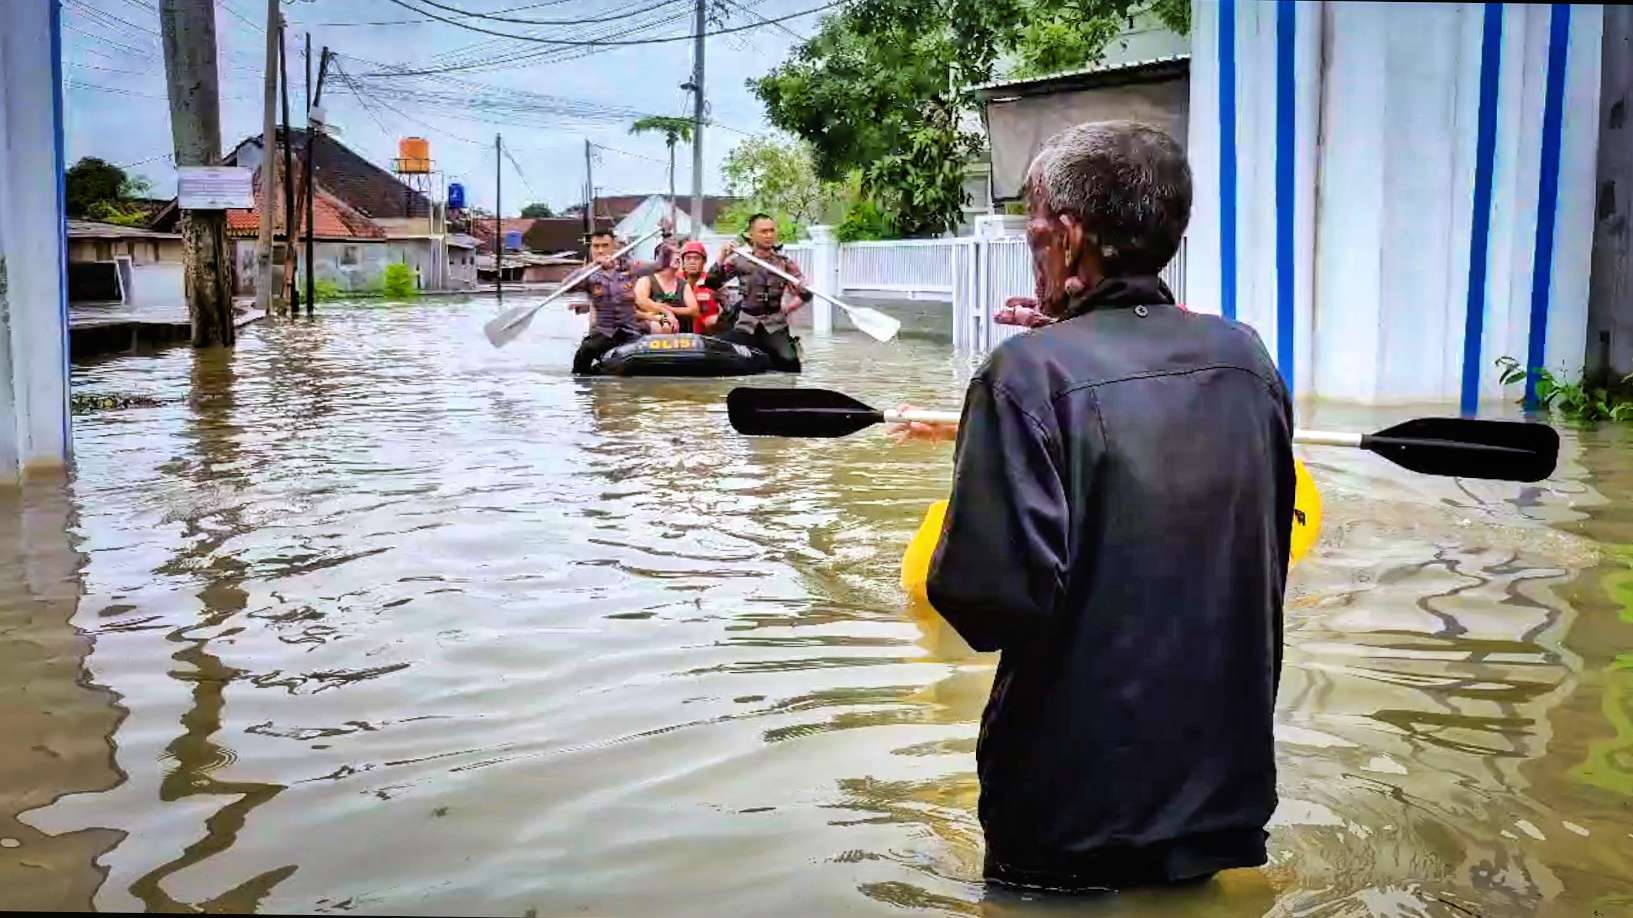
[1112, 292]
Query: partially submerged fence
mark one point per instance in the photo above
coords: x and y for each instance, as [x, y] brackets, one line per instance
[974, 275]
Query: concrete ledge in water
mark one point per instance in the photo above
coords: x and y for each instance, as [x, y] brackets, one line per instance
[100, 329]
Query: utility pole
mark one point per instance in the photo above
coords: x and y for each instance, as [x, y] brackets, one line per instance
[697, 123]
[269, 186]
[188, 28]
[313, 100]
[589, 194]
[289, 177]
[498, 219]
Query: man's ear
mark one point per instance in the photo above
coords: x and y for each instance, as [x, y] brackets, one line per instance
[1075, 241]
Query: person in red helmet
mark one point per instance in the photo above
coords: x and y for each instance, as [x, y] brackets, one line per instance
[694, 259]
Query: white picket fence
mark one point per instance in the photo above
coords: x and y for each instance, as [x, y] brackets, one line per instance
[973, 275]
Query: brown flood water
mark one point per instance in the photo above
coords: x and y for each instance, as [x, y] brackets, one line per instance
[381, 620]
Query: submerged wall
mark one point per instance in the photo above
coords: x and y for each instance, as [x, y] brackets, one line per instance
[33, 240]
[1396, 195]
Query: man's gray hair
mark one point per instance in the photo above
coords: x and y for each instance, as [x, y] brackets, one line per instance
[1126, 182]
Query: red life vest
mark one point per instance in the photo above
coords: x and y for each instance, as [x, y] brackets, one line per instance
[708, 305]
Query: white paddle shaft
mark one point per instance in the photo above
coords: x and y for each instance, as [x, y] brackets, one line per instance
[573, 280]
[785, 276]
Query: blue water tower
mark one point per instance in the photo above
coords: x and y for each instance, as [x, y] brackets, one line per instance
[513, 239]
[456, 196]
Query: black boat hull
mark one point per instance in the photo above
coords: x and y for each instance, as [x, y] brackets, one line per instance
[682, 355]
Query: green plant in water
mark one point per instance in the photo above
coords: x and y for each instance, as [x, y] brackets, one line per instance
[1574, 400]
[398, 282]
[325, 289]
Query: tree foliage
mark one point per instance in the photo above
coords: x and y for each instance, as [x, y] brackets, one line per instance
[537, 211]
[778, 177]
[884, 87]
[673, 130]
[95, 189]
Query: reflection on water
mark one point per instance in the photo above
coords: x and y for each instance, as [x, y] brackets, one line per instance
[385, 620]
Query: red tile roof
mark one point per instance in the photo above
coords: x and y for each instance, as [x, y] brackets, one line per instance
[331, 218]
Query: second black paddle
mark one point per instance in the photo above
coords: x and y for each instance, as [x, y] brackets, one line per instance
[1456, 447]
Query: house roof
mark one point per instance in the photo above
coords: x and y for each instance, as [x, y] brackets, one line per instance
[331, 219]
[1155, 68]
[619, 206]
[462, 241]
[90, 229]
[546, 234]
[369, 189]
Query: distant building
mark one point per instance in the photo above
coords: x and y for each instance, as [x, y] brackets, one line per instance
[109, 263]
[1021, 114]
[364, 219]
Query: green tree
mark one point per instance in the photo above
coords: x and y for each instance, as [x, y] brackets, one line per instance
[95, 189]
[779, 177]
[674, 131]
[884, 87]
[537, 211]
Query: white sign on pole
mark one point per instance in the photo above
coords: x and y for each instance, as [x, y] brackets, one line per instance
[215, 188]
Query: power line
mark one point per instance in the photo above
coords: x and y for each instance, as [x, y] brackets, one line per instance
[495, 17]
[103, 17]
[650, 41]
[739, 6]
[518, 166]
[513, 9]
[650, 159]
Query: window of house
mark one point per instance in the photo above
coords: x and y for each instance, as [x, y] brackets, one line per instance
[349, 255]
[104, 250]
[154, 251]
[130, 249]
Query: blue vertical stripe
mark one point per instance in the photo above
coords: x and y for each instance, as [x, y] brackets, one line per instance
[1485, 154]
[1542, 267]
[1286, 24]
[59, 166]
[1227, 158]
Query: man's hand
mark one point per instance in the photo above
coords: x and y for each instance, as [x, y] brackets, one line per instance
[728, 250]
[1020, 310]
[918, 430]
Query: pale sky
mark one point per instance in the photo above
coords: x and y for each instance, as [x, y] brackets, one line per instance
[116, 108]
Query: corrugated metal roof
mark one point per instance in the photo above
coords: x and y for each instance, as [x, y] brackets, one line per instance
[1096, 70]
[91, 229]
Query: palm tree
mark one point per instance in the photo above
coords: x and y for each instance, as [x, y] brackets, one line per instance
[674, 130]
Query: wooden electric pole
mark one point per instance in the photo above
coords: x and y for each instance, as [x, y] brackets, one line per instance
[269, 164]
[188, 35]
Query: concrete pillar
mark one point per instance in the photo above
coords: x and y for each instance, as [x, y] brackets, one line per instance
[33, 271]
[824, 277]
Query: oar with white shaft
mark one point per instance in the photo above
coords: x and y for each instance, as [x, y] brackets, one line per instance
[508, 325]
[872, 322]
[1456, 447]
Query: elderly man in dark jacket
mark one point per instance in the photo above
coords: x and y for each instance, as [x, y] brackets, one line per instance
[1119, 528]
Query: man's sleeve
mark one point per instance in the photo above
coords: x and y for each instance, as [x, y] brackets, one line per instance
[793, 269]
[1000, 569]
[644, 269]
[719, 273]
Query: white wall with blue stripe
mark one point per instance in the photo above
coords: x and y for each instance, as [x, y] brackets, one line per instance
[1396, 195]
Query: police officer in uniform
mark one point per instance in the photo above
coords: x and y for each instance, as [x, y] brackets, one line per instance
[761, 321]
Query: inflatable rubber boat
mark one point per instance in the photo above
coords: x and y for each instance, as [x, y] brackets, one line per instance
[682, 355]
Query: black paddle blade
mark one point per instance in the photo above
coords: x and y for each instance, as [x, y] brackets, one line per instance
[766, 412]
[1467, 448]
